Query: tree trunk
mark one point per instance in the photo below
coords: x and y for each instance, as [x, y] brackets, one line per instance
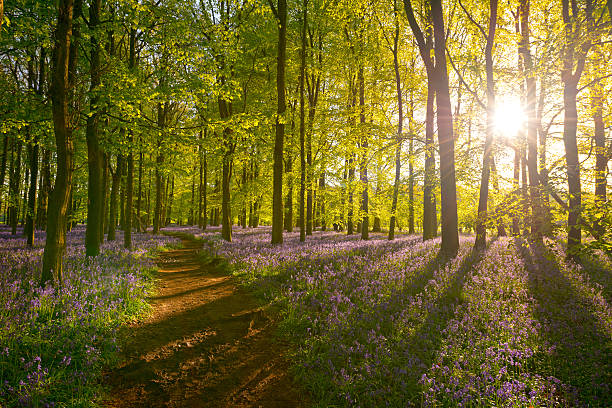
[302, 118]
[277, 196]
[532, 127]
[94, 153]
[129, 194]
[204, 192]
[400, 125]
[141, 226]
[288, 220]
[601, 159]
[112, 218]
[448, 198]
[14, 184]
[481, 220]
[45, 187]
[55, 244]
[159, 162]
[363, 167]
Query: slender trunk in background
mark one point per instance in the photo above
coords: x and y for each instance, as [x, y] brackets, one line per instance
[245, 199]
[169, 201]
[601, 159]
[516, 187]
[351, 162]
[277, 196]
[55, 244]
[226, 217]
[159, 162]
[481, 220]
[411, 132]
[363, 165]
[112, 218]
[289, 172]
[31, 207]
[105, 195]
[141, 226]
[5, 152]
[322, 199]
[429, 210]
[204, 192]
[400, 125]
[302, 125]
[14, 183]
[192, 213]
[200, 180]
[129, 196]
[532, 127]
[45, 187]
[94, 153]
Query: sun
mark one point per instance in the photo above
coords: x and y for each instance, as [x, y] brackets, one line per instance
[509, 117]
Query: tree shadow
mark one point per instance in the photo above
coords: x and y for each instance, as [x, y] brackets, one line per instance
[425, 342]
[580, 349]
[600, 273]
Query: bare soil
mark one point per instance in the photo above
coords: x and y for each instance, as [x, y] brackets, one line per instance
[208, 343]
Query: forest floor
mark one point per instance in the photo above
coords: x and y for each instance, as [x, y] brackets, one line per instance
[207, 343]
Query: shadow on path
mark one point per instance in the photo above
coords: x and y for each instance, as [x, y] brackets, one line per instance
[207, 344]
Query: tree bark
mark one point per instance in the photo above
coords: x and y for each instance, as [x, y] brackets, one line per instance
[532, 128]
[112, 218]
[277, 196]
[363, 167]
[400, 125]
[302, 118]
[481, 220]
[448, 199]
[55, 244]
[94, 153]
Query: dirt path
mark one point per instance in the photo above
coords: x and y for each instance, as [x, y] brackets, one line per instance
[207, 344]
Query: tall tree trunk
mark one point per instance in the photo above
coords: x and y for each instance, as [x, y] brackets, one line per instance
[302, 127]
[200, 180]
[573, 56]
[429, 206]
[55, 244]
[31, 208]
[205, 192]
[363, 167]
[226, 217]
[277, 196]
[289, 172]
[322, 199]
[129, 194]
[14, 184]
[159, 162]
[141, 226]
[481, 220]
[94, 153]
[400, 125]
[448, 198]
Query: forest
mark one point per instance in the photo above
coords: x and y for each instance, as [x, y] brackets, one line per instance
[296, 203]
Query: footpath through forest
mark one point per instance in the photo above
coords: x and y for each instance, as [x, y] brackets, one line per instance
[206, 344]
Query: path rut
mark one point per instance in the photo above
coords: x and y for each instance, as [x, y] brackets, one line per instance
[206, 344]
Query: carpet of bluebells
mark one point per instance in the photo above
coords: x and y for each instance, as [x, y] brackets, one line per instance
[54, 343]
[388, 323]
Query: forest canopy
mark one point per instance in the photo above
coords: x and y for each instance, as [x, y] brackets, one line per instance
[431, 117]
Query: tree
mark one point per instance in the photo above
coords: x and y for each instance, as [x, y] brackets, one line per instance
[55, 244]
[277, 205]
